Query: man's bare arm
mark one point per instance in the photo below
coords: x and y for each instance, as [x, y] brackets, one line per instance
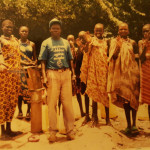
[43, 67]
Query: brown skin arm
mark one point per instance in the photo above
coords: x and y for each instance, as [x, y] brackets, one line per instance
[136, 51]
[140, 47]
[34, 57]
[135, 47]
[72, 69]
[43, 67]
[86, 48]
[25, 63]
[78, 42]
[34, 51]
[117, 51]
[142, 51]
[72, 44]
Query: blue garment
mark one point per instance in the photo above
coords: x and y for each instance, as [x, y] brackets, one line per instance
[57, 53]
[27, 50]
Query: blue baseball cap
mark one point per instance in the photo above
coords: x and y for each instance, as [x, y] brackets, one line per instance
[53, 21]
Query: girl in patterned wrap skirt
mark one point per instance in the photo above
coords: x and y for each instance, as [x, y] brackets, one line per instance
[28, 53]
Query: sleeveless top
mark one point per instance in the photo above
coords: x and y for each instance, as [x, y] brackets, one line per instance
[26, 49]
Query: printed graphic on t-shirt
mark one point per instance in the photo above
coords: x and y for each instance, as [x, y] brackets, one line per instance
[59, 52]
[59, 63]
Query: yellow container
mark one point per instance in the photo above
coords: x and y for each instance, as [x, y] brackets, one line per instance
[45, 120]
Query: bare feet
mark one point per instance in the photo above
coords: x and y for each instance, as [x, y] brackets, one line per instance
[94, 122]
[20, 116]
[13, 133]
[28, 116]
[108, 122]
[82, 114]
[86, 120]
[71, 135]
[5, 137]
[52, 138]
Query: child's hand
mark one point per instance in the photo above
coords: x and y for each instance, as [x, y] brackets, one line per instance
[71, 44]
[78, 42]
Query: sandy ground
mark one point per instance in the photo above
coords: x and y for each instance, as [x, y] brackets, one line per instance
[99, 138]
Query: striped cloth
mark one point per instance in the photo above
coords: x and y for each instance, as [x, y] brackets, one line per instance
[145, 82]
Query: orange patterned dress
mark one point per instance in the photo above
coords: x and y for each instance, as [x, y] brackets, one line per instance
[10, 80]
[94, 71]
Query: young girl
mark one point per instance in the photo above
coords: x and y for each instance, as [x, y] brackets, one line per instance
[123, 76]
[28, 54]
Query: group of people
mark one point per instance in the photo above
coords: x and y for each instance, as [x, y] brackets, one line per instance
[102, 69]
[115, 69]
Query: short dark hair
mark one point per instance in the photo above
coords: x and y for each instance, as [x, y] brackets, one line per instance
[7, 20]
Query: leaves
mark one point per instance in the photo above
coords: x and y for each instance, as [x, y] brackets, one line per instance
[76, 15]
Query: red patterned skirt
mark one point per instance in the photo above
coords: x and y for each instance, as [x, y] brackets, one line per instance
[145, 82]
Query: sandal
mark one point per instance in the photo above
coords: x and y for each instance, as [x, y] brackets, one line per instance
[134, 128]
[20, 116]
[5, 137]
[86, 120]
[127, 131]
[94, 122]
[28, 116]
[34, 138]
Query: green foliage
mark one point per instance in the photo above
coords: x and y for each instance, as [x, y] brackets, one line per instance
[76, 15]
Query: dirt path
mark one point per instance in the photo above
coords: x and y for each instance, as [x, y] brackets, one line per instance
[99, 138]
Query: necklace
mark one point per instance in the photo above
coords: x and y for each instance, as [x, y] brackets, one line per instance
[26, 42]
